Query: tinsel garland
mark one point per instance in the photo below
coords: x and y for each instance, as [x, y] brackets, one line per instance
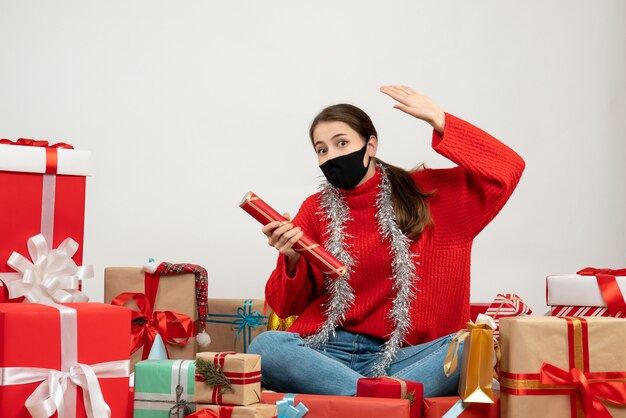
[336, 211]
[402, 274]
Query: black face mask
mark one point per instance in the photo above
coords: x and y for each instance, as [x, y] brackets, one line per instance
[346, 171]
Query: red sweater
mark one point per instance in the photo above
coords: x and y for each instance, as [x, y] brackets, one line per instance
[466, 199]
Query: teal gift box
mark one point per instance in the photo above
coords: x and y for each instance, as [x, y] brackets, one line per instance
[164, 388]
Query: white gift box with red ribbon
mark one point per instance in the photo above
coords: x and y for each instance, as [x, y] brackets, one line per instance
[590, 292]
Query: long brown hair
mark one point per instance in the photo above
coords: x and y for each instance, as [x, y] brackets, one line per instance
[409, 202]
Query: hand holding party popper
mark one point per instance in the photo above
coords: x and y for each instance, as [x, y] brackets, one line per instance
[310, 250]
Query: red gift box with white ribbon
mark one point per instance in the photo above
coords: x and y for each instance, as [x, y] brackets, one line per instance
[64, 360]
[44, 193]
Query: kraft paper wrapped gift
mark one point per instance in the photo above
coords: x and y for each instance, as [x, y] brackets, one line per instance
[233, 323]
[164, 388]
[56, 347]
[563, 367]
[46, 183]
[390, 387]
[175, 293]
[257, 410]
[439, 407]
[228, 378]
[323, 406]
[589, 292]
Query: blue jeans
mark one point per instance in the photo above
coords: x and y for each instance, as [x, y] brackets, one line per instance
[287, 365]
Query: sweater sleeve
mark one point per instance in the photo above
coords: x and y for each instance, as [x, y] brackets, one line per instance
[291, 295]
[469, 196]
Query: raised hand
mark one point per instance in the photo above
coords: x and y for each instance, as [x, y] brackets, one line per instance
[417, 105]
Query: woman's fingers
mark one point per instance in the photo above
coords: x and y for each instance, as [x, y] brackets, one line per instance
[291, 237]
[396, 94]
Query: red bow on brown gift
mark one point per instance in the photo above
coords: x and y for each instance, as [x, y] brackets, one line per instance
[170, 325]
[592, 387]
[609, 288]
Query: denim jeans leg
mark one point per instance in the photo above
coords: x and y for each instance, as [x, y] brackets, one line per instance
[287, 365]
[424, 363]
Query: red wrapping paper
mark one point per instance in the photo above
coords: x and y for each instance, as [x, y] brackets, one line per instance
[386, 387]
[323, 406]
[21, 211]
[437, 408]
[310, 250]
[30, 337]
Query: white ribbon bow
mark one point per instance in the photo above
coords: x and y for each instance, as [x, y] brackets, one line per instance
[52, 276]
[48, 397]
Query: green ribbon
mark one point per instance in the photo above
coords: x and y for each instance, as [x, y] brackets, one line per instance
[244, 322]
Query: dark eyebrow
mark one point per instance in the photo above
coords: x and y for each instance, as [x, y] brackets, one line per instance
[334, 136]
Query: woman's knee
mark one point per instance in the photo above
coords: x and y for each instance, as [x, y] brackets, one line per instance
[269, 342]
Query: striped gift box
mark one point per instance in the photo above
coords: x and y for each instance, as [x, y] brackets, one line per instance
[506, 305]
[584, 311]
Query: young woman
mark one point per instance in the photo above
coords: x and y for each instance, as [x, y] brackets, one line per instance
[406, 239]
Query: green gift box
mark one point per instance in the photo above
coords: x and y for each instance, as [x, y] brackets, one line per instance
[164, 388]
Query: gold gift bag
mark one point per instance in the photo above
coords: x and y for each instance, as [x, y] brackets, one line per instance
[476, 374]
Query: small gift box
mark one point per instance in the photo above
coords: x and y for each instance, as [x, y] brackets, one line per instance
[228, 378]
[45, 189]
[563, 367]
[390, 387]
[506, 305]
[589, 292]
[322, 406]
[69, 358]
[257, 410]
[164, 388]
[452, 405]
[477, 364]
[174, 297]
[234, 323]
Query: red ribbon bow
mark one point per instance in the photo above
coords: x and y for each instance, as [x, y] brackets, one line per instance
[592, 387]
[204, 413]
[170, 325]
[26, 142]
[609, 288]
[51, 150]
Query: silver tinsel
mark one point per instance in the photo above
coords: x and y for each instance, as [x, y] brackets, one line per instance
[337, 213]
[403, 275]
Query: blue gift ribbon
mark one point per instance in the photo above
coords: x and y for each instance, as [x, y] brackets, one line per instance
[286, 408]
[456, 410]
[244, 321]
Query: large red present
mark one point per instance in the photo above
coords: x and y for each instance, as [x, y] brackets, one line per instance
[44, 186]
[63, 357]
[322, 406]
[438, 407]
[390, 387]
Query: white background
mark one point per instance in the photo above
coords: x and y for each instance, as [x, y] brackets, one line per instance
[187, 105]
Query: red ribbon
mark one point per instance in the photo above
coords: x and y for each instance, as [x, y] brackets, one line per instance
[51, 150]
[591, 391]
[204, 413]
[170, 325]
[609, 288]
